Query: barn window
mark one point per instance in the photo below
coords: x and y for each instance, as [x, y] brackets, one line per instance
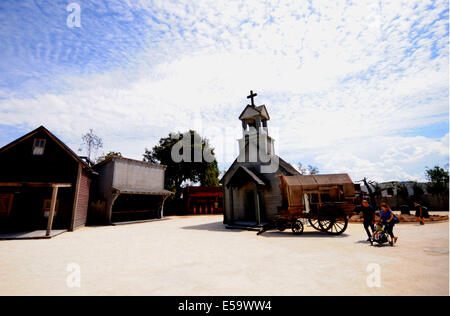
[38, 147]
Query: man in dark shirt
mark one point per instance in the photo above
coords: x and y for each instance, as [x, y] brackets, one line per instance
[369, 217]
[420, 212]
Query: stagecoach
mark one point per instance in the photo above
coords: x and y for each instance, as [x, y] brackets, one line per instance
[323, 201]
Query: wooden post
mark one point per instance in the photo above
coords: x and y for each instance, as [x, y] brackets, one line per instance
[161, 214]
[257, 208]
[231, 205]
[52, 211]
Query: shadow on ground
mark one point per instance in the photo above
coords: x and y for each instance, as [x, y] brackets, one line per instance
[219, 227]
[309, 234]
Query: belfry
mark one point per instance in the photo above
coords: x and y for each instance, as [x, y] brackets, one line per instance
[251, 184]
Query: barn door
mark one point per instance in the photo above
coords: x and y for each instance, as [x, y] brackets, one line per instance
[5, 205]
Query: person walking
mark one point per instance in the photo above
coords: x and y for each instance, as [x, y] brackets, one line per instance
[419, 212]
[368, 213]
[388, 219]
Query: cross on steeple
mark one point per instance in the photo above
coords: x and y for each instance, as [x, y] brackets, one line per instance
[251, 96]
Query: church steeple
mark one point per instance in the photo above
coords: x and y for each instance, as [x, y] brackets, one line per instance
[254, 127]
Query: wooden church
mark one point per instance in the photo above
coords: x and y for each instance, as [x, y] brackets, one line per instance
[252, 184]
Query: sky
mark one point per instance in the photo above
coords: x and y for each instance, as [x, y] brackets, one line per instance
[351, 86]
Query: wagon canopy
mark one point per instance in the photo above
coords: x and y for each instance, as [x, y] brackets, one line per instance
[293, 187]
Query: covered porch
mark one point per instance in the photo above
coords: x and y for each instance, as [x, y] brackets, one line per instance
[245, 197]
[28, 209]
[131, 205]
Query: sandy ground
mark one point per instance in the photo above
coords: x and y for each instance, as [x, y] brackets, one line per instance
[197, 256]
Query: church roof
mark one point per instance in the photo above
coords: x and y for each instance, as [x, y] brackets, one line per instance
[229, 174]
[241, 171]
[252, 111]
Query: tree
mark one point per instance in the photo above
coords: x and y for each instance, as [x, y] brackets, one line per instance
[402, 190]
[109, 155]
[373, 189]
[438, 178]
[303, 171]
[91, 142]
[203, 172]
[307, 171]
[418, 190]
[313, 169]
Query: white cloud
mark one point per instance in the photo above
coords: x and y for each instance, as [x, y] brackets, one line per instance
[338, 85]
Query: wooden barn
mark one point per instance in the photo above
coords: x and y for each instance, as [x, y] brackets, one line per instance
[43, 184]
[127, 190]
[252, 184]
[203, 200]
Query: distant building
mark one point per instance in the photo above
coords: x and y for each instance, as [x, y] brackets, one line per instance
[127, 190]
[203, 200]
[43, 184]
[391, 189]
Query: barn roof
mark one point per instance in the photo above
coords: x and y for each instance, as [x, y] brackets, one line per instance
[54, 138]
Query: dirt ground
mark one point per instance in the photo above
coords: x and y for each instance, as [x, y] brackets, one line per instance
[198, 256]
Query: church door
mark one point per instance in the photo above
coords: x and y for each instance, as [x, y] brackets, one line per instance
[250, 209]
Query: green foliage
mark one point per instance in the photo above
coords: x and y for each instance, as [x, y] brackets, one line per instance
[402, 190]
[313, 169]
[211, 175]
[309, 170]
[438, 178]
[418, 190]
[205, 173]
[376, 189]
[109, 155]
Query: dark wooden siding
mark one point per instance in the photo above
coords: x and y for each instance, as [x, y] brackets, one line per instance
[55, 165]
[83, 201]
[18, 164]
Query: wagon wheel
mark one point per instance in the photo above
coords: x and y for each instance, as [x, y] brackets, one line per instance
[297, 227]
[315, 223]
[280, 225]
[334, 225]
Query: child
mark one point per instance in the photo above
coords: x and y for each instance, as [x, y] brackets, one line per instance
[378, 231]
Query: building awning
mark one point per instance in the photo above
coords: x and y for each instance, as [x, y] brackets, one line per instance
[141, 191]
[237, 176]
[35, 184]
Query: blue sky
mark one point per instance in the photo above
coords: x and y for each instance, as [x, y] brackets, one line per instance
[351, 86]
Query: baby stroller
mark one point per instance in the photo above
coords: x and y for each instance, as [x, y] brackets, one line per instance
[380, 236]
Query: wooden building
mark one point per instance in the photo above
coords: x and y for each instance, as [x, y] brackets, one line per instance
[252, 185]
[43, 184]
[127, 190]
[203, 200]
